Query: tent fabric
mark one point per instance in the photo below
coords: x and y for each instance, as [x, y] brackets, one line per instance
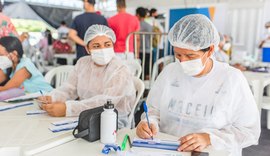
[50, 15]
[53, 16]
[20, 10]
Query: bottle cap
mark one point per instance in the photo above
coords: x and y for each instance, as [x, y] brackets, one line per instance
[109, 105]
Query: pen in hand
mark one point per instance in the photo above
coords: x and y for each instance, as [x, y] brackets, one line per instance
[42, 100]
[146, 112]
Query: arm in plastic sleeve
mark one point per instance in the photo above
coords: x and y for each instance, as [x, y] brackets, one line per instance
[154, 99]
[119, 88]
[244, 129]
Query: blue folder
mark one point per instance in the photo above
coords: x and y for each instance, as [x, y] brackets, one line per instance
[158, 144]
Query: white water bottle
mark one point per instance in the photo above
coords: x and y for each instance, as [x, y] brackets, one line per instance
[108, 124]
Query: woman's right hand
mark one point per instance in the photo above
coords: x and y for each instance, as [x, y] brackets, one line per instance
[45, 99]
[143, 131]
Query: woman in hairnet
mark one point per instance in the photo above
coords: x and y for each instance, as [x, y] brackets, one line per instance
[202, 101]
[95, 79]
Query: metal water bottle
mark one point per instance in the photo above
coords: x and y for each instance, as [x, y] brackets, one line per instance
[108, 124]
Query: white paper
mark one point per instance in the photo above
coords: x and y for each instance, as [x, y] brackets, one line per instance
[155, 141]
[25, 97]
[35, 112]
[63, 127]
[65, 122]
[146, 153]
[12, 106]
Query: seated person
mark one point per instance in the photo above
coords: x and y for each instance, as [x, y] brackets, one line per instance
[219, 53]
[200, 100]
[95, 79]
[5, 63]
[23, 73]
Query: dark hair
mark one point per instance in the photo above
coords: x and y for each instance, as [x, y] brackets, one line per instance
[93, 2]
[63, 23]
[141, 12]
[121, 3]
[48, 34]
[12, 43]
[1, 6]
[152, 11]
[205, 49]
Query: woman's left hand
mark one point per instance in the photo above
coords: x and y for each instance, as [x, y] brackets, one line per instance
[57, 109]
[194, 142]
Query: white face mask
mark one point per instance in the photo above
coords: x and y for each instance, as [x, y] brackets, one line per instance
[192, 67]
[5, 62]
[63, 40]
[226, 46]
[102, 56]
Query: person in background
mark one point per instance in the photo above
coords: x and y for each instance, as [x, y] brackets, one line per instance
[23, 73]
[45, 46]
[27, 48]
[81, 23]
[122, 24]
[6, 26]
[227, 47]
[202, 101]
[266, 36]
[219, 53]
[94, 80]
[158, 40]
[62, 30]
[144, 51]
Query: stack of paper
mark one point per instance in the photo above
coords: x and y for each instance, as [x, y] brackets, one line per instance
[64, 125]
[26, 97]
[12, 106]
[65, 122]
[35, 112]
[146, 153]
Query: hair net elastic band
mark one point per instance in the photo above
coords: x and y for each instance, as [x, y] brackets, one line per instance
[98, 30]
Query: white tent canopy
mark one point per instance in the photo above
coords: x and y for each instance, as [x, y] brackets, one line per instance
[21, 10]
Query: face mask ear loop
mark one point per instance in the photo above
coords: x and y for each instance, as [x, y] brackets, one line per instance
[206, 60]
[87, 50]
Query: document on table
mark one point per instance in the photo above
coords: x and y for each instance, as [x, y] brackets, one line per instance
[26, 97]
[156, 143]
[35, 112]
[63, 125]
[12, 106]
[65, 122]
[146, 153]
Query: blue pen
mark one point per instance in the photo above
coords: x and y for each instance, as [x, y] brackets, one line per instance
[146, 112]
[41, 93]
[44, 102]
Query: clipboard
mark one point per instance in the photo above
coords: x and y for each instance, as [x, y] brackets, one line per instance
[156, 143]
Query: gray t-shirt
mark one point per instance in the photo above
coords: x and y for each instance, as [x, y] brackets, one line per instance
[145, 27]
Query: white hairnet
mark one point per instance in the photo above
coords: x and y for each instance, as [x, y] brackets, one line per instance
[193, 32]
[98, 30]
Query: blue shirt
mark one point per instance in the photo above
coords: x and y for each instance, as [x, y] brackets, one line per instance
[81, 23]
[36, 82]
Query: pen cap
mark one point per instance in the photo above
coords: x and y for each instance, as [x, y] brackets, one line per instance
[145, 107]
